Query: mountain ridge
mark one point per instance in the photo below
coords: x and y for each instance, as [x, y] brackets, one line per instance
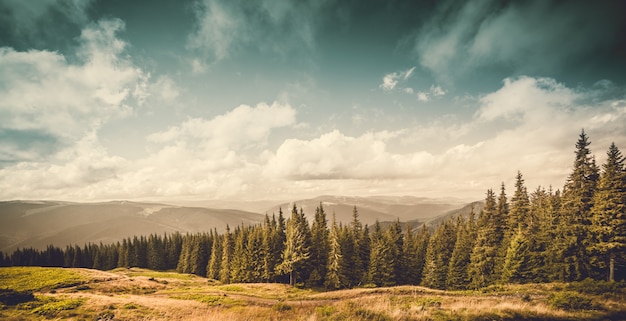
[38, 223]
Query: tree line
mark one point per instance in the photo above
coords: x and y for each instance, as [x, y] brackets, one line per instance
[538, 236]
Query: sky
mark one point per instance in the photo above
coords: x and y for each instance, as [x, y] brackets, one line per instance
[255, 100]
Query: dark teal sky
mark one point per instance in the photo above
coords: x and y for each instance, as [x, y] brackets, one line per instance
[216, 99]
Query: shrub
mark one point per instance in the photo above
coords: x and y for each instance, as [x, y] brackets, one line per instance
[590, 286]
[281, 307]
[569, 300]
[52, 309]
[12, 297]
[368, 315]
[325, 311]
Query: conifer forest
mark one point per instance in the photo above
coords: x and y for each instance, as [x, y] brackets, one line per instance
[523, 235]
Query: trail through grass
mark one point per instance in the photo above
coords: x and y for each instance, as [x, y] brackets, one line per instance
[139, 294]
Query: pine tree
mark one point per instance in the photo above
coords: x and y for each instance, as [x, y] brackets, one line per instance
[573, 238]
[335, 277]
[609, 213]
[267, 274]
[358, 273]
[156, 253]
[421, 246]
[213, 267]
[227, 253]
[296, 250]
[438, 254]
[381, 263]
[320, 247]
[239, 261]
[516, 261]
[484, 257]
[458, 277]
[409, 256]
[520, 206]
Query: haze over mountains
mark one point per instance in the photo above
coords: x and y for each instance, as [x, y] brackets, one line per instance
[40, 223]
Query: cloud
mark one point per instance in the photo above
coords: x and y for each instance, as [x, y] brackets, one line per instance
[165, 88]
[529, 124]
[279, 27]
[391, 80]
[236, 129]
[45, 94]
[434, 91]
[336, 156]
[521, 38]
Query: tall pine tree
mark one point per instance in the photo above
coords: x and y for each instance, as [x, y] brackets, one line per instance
[609, 213]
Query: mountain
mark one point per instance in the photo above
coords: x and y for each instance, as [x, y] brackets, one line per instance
[383, 208]
[39, 223]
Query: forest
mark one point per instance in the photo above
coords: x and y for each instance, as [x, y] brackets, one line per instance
[541, 235]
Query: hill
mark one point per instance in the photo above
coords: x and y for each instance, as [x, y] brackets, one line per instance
[383, 208]
[39, 223]
[139, 294]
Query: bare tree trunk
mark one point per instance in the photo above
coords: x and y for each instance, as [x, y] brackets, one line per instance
[292, 282]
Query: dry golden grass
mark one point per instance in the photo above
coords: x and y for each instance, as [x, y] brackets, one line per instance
[137, 294]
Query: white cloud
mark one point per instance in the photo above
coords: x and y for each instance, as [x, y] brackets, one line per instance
[240, 128]
[165, 88]
[45, 93]
[336, 156]
[529, 124]
[422, 96]
[391, 80]
[434, 91]
[526, 97]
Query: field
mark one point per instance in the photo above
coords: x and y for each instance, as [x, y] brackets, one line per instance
[138, 294]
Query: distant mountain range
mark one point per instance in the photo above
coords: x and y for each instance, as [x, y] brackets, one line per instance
[40, 223]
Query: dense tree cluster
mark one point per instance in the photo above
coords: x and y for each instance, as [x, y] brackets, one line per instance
[540, 236]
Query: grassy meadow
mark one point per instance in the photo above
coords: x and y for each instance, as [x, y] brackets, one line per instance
[139, 294]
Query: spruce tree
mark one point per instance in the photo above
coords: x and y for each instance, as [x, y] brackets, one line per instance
[358, 266]
[573, 238]
[296, 251]
[381, 263]
[335, 277]
[227, 253]
[609, 214]
[458, 277]
[438, 254]
[213, 267]
[520, 206]
[484, 257]
[516, 265]
[319, 247]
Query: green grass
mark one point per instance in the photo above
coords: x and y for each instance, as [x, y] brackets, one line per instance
[38, 278]
[161, 275]
[55, 308]
[212, 300]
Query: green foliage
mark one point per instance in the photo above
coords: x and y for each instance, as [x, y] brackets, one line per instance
[569, 300]
[325, 311]
[281, 307]
[440, 249]
[38, 278]
[368, 315]
[212, 300]
[485, 255]
[54, 308]
[591, 286]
